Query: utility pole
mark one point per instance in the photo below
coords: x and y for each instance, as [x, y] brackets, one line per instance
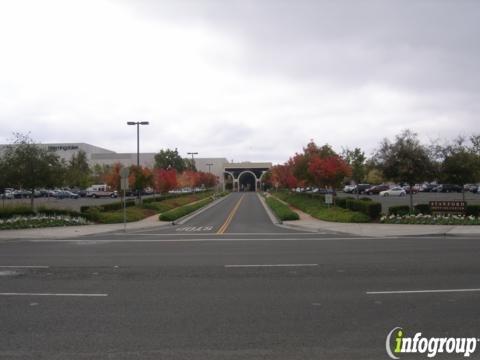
[138, 123]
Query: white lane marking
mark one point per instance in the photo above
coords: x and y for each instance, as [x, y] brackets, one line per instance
[22, 267]
[193, 229]
[269, 265]
[52, 294]
[420, 291]
[216, 239]
[182, 229]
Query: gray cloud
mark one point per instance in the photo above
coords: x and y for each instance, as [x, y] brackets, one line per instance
[276, 74]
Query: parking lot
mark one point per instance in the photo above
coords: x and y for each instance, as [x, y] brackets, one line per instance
[418, 198]
[71, 204]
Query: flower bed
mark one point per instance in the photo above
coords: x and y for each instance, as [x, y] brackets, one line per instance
[40, 221]
[430, 219]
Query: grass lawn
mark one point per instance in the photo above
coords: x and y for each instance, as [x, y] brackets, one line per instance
[282, 211]
[316, 208]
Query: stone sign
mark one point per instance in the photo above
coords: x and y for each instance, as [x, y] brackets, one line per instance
[448, 207]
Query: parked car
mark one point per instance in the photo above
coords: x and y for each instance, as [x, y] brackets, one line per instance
[64, 194]
[348, 189]
[376, 189]
[414, 189]
[7, 194]
[447, 188]
[79, 192]
[360, 188]
[428, 187]
[395, 191]
[470, 187]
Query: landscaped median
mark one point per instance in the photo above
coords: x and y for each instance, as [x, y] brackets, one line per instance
[113, 213]
[282, 211]
[171, 207]
[346, 210]
[182, 211]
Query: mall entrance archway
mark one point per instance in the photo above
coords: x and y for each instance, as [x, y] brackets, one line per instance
[247, 181]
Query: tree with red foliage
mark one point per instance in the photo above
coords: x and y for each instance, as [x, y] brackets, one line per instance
[112, 177]
[207, 180]
[188, 179]
[328, 171]
[140, 177]
[164, 180]
[282, 176]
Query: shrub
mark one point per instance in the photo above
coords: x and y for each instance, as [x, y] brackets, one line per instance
[92, 213]
[422, 209]
[11, 211]
[399, 210]
[341, 202]
[282, 211]
[370, 208]
[54, 212]
[365, 199]
[109, 207]
[473, 210]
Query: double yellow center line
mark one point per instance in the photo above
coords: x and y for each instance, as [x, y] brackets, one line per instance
[227, 222]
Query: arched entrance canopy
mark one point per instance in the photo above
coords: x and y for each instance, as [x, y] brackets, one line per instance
[236, 171]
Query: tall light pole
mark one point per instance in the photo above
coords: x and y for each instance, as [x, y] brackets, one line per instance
[193, 160]
[138, 123]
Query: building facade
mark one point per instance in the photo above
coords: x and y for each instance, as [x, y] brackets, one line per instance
[244, 176]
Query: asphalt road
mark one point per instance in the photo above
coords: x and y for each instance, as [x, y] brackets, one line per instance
[231, 285]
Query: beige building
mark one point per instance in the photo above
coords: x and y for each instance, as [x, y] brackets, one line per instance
[244, 176]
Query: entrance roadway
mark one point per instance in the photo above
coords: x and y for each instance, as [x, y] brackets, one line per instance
[255, 291]
[238, 213]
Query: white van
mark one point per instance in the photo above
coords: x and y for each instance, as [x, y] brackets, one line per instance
[100, 190]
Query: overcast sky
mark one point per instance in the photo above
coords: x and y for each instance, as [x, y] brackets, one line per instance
[245, 80]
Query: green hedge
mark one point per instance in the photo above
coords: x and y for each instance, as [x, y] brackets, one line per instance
[422, 209]
[282, 211]
[399, 210]
[473, 210]
[12, 211]
[370, 208]
[182, 211]
[108, 207]
[53, 212]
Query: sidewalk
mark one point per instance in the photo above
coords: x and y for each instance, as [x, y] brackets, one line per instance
[309, 223]
[65, 232]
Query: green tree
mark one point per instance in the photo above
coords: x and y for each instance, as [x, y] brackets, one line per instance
[78, 172]
[356, 159]
[460, 165]
[170, 159]
[405, 160]
[100, 173]
[30, 166]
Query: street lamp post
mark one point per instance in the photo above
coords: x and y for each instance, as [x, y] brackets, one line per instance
[138, 123]
[193, 164]
[193, 160]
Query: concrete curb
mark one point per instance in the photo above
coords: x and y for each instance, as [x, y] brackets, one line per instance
[190, 216]
[275, 220]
